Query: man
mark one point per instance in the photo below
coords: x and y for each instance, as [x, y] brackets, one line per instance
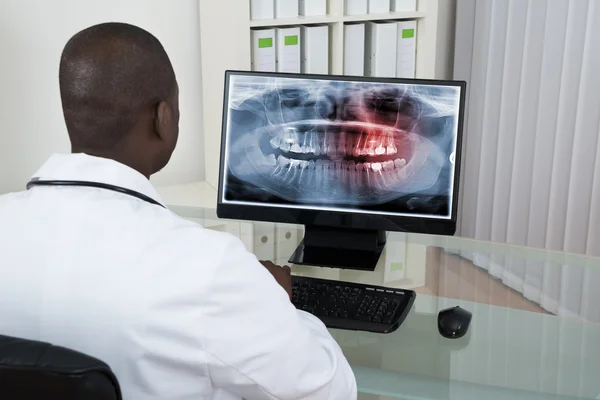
[177, 311]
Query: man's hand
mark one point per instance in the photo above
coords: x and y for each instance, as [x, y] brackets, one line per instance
[283, 275]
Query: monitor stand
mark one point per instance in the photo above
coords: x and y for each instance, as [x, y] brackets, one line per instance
[340, 248]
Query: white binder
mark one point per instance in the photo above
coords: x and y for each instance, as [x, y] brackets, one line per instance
[379, 6]
[263, 50]
[264, 241]
[286, 8]
[315, 49]
[354, 49]
[404, 5]
[381, 42]
[395, 259]
[288, 49]
[286, 242]
[313, 7]
[262, 9]
[356, 7]
[407, 48]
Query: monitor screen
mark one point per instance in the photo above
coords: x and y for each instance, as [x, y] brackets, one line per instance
[349, 145]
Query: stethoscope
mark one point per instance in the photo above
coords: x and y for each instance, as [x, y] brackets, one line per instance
[99, 185]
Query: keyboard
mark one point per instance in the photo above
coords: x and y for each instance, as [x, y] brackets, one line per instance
[352, 306]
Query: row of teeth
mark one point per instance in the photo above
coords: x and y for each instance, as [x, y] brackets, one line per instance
[340, 149]
[338, 165]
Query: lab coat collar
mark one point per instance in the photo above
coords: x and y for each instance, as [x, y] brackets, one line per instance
[83, 167]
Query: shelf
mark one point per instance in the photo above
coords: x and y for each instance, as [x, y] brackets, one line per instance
[330, 19]
[300, 20]
[380, 17]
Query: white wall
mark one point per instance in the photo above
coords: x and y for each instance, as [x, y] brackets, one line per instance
[446, 29]
[230, 22]
[32, 35]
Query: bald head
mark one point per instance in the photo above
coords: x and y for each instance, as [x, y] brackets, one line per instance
[113, 77]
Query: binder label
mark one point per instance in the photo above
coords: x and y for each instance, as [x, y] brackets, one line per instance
[265, 42]
[408, 33]
[291, 40]
[396, 266]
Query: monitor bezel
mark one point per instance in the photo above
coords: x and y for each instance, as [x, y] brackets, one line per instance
[343, 219]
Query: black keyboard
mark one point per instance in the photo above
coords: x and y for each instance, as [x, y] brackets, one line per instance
[353, 306]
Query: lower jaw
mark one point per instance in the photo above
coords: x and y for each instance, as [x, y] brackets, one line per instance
[323, 185]
[350, 180]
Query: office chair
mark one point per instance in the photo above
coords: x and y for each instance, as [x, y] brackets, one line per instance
[32, 370]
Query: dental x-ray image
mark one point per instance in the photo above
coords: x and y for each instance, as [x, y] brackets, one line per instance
[372, 147]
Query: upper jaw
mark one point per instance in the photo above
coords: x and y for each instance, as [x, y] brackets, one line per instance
[340, 140]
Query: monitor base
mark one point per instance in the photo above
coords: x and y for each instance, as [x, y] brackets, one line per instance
[340, 248]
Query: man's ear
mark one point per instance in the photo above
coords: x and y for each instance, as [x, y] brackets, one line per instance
[162, 122]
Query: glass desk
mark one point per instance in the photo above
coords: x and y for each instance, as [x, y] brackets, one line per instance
[535, 332]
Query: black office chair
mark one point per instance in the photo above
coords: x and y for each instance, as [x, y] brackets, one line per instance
[32, 370]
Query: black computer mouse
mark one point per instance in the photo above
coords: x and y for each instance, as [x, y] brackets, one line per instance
[454, 322]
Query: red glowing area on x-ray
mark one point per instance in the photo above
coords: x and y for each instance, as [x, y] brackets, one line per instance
[382, 144]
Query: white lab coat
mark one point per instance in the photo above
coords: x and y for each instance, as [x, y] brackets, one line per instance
[179, 312]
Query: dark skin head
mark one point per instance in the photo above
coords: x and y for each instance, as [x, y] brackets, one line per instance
[120, 96]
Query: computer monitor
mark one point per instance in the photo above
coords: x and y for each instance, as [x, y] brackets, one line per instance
[348, 157]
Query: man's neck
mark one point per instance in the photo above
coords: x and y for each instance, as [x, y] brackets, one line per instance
[117, 156]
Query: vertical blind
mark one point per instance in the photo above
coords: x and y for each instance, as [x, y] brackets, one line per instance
[531, 172]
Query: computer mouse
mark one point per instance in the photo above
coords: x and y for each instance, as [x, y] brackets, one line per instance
[454, 322]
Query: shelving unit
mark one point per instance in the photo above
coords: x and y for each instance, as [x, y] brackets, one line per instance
[300, 20]
[226, 41]
[379, 17]
[426, 17]
[329, 19]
